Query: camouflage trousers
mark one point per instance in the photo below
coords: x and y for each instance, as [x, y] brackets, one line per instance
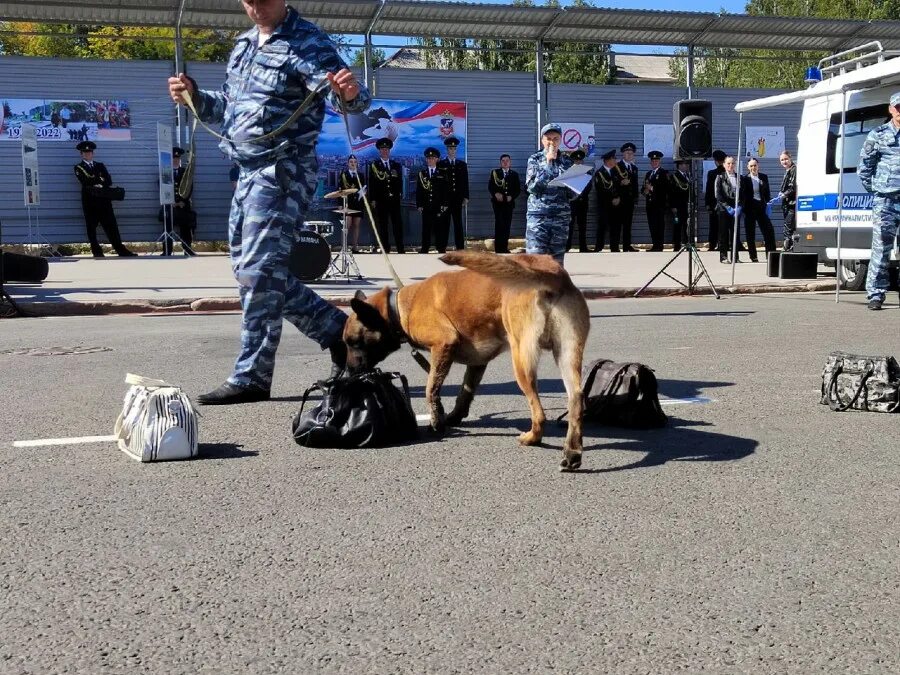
[885, 224]
[547, 234]
[268, 206]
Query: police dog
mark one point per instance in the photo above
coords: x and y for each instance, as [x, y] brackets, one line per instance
[525, 302]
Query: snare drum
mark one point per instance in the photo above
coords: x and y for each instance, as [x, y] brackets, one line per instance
[322, 227]
[310, 256]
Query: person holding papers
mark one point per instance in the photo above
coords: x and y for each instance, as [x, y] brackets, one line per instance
[548, 214]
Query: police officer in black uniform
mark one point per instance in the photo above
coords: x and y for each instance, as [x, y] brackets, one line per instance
[504, 187]
[628, 178]
[97, 208]
[609, 202]
[385, 192]
[433, 201]
[579, 205]
[681, 187]
[179, 214]
[457, 172]
[655, 191]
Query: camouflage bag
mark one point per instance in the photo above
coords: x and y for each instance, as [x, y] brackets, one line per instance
[853, 382]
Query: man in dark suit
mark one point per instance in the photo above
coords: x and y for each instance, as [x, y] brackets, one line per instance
[457, 173]
[385, 191]
[755, 197]
[709, 198]
[97, 208]
[504, 187]
[579, 209]
[681, 187]
[609, 202]
[433, 200]
[628, 178]
[656, 193]
[179, 214]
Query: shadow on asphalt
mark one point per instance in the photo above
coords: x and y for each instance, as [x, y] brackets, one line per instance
[223, 451]
[677, 442]
[687, 388]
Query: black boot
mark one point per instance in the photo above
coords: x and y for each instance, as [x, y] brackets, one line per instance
[228, 393]
[338, 358]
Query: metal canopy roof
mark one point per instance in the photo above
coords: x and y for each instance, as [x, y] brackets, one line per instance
[414, 18]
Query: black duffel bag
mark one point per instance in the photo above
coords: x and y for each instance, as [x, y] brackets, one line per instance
[365, 410]
[621, 395]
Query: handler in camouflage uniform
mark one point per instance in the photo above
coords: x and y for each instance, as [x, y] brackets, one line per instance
[879, 171]
[548, 215]
[271, 70]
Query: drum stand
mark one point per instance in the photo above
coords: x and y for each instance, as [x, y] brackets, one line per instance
[343, 264]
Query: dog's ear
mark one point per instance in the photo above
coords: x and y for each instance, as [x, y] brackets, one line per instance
[359, 295]
[367, 314]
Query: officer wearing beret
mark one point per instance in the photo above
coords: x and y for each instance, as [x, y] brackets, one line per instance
[385, 191]
[504, 187]
[628, 184]
[709, 198]
[655, 190]
[681, 189]
[433, 200]
[609, 202]
[179, 214]
[579, 206]
[457, 173]
[97, 208]
[547, 218]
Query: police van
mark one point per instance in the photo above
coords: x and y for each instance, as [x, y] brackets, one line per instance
[847, 98]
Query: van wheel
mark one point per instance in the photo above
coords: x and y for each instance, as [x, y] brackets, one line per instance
[853, 274]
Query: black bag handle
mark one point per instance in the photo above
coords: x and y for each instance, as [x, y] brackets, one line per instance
[317, 386]
[834, 401]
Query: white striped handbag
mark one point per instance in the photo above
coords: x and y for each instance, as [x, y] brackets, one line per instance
[157, 423]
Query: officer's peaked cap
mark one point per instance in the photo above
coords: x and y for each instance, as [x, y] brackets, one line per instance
[577, 154]
[384, 143]
[655, 154]
[611, 154]
[628, 146]
[432, 152]
[451, 142]
[177, 152]
[86, 146]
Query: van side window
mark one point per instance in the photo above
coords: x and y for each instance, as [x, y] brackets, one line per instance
[858, 123]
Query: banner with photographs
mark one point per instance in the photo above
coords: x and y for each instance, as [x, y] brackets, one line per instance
[764, 142]
[411, 125]
[68, 121]
[30, 166]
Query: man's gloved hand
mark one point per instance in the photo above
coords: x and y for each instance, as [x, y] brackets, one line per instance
[730, 210]
[738, 211]
[769, 210]
[775, 200]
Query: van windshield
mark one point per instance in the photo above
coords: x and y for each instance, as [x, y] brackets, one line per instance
[859, 122]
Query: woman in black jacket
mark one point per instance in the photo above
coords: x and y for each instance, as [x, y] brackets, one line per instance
[729, 212]
[348, 180]
[755, 196]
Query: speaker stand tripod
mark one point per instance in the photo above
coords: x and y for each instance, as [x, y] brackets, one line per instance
[343, 264]
[168, 238]
[690, 245]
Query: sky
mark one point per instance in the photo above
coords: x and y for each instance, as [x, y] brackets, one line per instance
[730, 6]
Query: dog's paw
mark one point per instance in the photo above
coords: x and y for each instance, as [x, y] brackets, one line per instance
[570, 462]
[455, 418]
[529, 438]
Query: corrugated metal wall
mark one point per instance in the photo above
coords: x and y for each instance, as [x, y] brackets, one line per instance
[502, 112]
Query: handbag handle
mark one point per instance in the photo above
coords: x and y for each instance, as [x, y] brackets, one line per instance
[309, 390]
[834, 400]
[141, 381]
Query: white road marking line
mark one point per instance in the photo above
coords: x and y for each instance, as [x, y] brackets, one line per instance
[41, 442]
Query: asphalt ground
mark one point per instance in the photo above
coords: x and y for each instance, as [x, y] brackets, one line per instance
[756, 533]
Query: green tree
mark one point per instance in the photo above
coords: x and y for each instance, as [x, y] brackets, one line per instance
[359, 58]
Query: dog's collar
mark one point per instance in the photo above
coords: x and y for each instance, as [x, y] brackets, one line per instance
[394, 316]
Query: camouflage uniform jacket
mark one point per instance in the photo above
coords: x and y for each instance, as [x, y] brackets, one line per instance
[879, 161]
[265, 84]
[541, 197]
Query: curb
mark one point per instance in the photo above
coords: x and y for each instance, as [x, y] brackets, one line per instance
[183, 305]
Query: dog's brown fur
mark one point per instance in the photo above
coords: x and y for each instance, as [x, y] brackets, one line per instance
[525, 302]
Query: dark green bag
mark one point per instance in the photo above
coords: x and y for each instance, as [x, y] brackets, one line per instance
[854, 382]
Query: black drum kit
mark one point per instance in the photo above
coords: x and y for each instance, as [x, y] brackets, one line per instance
[311, 257]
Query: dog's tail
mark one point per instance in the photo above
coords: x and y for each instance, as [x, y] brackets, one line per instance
[525, 270]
